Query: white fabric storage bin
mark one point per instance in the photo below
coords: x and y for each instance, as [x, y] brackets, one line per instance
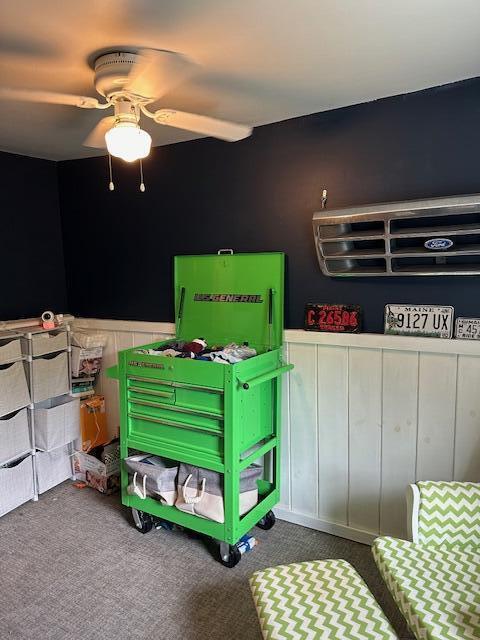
[200, 491]
[152, 476]
[43, 343]
[14, 435]
[13, 389]
[16, 484]
[53, 467]
[10, 350]
[50, 377]
[57, 422]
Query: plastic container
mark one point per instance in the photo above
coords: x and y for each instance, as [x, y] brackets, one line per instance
[57, 422]
[86, 362]
[14, 436]
[16, 484]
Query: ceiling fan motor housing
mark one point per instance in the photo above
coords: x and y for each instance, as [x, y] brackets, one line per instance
[126, 111]
[112, 71]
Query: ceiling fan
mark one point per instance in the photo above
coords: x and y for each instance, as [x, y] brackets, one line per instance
[130, 82]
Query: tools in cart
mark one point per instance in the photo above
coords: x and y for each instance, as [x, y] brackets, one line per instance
[211, 420]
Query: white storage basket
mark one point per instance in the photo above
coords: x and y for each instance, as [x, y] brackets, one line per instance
[57, 422]
[14, 436]
[16, 484]
[53, 467]
[50, 377]
[43, 343]
[10, 350]
[13, 389]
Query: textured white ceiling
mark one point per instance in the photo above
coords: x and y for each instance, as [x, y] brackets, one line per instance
[260, 60]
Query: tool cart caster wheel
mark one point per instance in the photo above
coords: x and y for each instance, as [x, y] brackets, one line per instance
[142, 521]
[267, 521]
[231, 558]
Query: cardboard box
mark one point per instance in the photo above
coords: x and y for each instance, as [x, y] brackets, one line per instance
[86, 362]
[104, 484]
[102, 470]
[93, 423]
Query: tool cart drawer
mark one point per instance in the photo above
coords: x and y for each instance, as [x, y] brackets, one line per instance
[141, 388]
[155, 409]
[194, 397]
[192, 373]
[171, 434]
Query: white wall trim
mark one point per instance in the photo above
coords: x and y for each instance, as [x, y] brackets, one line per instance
[381, 341]
[332, 528]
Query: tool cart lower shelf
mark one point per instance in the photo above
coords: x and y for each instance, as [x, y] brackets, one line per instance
[216, 530]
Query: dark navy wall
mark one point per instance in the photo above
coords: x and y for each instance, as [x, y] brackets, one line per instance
[259, 195]
[31, 256]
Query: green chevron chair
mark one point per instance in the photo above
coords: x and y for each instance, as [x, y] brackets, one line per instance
[435, 578]
[320, 600]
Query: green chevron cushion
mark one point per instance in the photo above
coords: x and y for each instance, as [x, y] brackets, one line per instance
[437, 590]
[321, 600]
[449, 513]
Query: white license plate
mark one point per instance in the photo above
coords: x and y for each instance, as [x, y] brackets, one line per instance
[467, 328]
[419, 320]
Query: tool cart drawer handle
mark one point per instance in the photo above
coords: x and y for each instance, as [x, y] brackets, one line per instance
[177, 409]
[152, 392]
[176, 385]
[172, 423]
[157, 381]
[222, 252]
[253, 382]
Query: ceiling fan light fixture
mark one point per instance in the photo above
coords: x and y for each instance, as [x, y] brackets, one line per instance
[127, 141]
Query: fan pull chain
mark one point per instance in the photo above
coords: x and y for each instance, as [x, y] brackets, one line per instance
[111, 186]
[142, 184]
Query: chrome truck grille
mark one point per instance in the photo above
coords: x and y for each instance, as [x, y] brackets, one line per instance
[433, 237]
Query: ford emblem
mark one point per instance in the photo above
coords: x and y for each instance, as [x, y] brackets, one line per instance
[438, 244]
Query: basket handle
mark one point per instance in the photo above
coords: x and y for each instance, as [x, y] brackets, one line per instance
[138, 490]
[193, 499]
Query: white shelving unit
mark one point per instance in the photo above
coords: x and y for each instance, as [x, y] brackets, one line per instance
[17, 450]
[39, 419]
[48, 360]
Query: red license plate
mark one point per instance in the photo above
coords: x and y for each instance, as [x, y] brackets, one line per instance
[337, 318]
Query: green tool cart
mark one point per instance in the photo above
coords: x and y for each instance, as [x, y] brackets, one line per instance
[217, 416]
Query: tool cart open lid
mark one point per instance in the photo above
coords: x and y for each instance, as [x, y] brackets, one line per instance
[230, 298]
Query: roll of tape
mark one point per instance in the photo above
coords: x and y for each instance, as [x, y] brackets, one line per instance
[48, 316]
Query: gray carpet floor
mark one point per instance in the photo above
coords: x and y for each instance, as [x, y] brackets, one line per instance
[73, 567]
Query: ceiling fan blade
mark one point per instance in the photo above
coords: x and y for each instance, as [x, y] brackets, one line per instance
[158, 72]
[49, 97]
[229, 131]
[96, 137]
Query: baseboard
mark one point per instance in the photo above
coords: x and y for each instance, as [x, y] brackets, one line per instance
[340, 530]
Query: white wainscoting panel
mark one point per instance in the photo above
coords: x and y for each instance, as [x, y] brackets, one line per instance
[399, 436]
[363, 416]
